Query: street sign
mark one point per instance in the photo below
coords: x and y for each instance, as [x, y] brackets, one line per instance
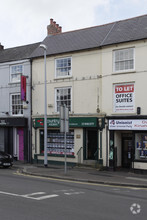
[64, 119]
[64, 126]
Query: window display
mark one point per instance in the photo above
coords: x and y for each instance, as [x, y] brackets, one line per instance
[140, 146]
[55, 142]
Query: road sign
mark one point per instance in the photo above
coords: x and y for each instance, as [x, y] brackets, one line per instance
[64, 119]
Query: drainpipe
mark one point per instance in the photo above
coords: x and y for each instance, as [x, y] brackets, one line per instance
[30, 151]
[106, 146]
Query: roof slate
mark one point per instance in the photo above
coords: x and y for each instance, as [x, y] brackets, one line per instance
[83, 39]
[94, 37]
[17, 53]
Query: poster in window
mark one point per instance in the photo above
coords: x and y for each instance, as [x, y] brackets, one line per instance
[145, 142]
[124, 98]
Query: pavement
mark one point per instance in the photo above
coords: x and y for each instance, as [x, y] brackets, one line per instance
[84, 174]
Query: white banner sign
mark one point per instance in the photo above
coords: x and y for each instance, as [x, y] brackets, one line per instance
[124, 98]
[140, 124]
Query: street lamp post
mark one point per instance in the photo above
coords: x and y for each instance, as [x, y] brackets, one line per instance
[43, 46]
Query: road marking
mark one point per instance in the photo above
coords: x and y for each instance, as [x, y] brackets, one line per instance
[36, 196]
[39, 198]
[46, 197]
[79, 182]
[63, 190]
[10, 194]
[74, 193]
[30, 196]
[68, 192]
[33, 194]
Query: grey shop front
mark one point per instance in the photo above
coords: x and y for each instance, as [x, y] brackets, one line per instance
[14, 137]
[128, 142]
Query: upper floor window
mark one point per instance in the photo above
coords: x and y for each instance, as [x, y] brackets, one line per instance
[15, 73]
[16, 104]
[63, 97]
[63, 67]
[123, 60]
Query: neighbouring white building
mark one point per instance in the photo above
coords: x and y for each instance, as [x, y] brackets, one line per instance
[15, 104]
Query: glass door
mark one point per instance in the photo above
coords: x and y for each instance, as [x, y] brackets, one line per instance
[126, 152]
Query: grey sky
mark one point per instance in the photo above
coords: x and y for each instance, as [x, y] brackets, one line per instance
[25, 21]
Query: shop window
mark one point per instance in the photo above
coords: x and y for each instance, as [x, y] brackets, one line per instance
[140, 146]
[15, 73]
[55, 142]
[63, 97]
[63, 67]
[123, 60]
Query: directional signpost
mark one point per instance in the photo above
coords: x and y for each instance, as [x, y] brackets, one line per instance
[64, 127]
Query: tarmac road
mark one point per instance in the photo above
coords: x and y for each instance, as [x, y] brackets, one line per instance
[27, 197]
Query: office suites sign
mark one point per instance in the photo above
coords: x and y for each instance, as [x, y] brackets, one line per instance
[140, 124]
[124, 98]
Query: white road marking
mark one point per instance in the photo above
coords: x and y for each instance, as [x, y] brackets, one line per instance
[69, 192]
[33, 194]
[10, 194]
[36, 196]
[74, 193]
[64, 190]
[46, 197]
[30, 196]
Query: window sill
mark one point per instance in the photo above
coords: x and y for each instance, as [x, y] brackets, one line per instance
[124, 72]
[17, 115]
[62, 78]
[12, 83]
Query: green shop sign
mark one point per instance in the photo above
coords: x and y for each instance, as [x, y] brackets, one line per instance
[73, 122]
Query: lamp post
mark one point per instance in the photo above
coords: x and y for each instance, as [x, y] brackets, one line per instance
[43, 46]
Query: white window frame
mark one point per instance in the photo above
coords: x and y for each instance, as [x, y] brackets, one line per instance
[62, 101]
[68, 73]
[17, 73]
[124, 61]
[17, 105]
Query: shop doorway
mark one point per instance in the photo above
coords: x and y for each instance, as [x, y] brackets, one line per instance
[126, 152]
[92, 136]
[20, 143]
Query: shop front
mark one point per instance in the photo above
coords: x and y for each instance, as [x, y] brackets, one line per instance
[14, 137]
[81, 140]
[128, 142]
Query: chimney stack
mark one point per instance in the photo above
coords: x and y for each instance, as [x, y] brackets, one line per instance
[53, 28]
[1, 47]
